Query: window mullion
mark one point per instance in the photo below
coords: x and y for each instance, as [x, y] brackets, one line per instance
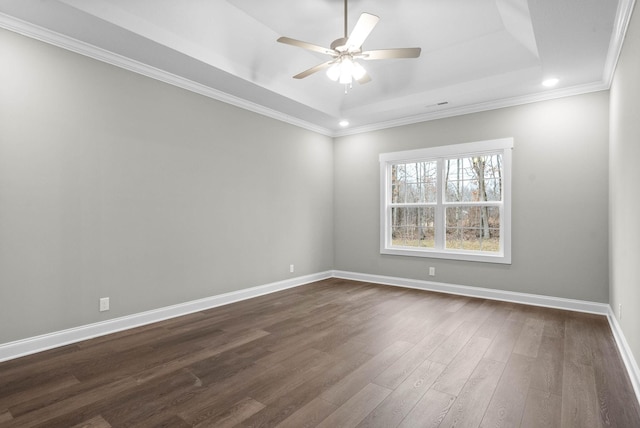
[439, 215]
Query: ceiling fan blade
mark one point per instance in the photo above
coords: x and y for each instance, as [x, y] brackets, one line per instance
[313, 70]
[305, 45]
[391, 53]
[361, 31]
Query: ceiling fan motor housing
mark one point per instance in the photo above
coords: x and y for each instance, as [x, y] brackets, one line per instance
[339, 44]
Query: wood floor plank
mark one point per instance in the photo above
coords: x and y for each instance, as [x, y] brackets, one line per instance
[430, 411]
[310, 415]
[334, 352]
[34, 374]
[616, 408]
[237, 413]
[192, 358]
[507, 404]
[5, 415]
[14, 369]
[520, 313]
[336, 337]
[220, 394]
[554, 321]
[87, 395]
[450, 347]
[283, 346]
[210, 403]
[297, 371]
[579, 399]
[284, 406]
[415, 330]
[400, 402]
[146, 400]
[170, 421]
[502, 346]
[356, 408]
[397, 372]
[547, 369]
[528, 342]
[97, 422]
[576, 341]
[352, 383]
[458, 371]
[492, 325]
[542, 410]
[218, 368]
[378, 339]
[346, 348]
[44, 389]
[453, 320]
[472, 402]
[454, 305]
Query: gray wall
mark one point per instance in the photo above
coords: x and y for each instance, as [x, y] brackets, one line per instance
[624, 171]
[113, 184]
[560, 195]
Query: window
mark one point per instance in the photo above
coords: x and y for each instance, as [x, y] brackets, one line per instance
[448, 202]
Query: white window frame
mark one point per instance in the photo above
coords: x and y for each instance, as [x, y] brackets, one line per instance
[439, 154]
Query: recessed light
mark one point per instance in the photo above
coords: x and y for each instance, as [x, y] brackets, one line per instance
[550, 82]
[344, 123]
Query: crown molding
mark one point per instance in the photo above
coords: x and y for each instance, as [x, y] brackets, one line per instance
[623, 17]
[65, 42]
[477, 108]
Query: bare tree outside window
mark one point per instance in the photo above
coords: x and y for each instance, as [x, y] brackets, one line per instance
[413, 194]
[474, 180]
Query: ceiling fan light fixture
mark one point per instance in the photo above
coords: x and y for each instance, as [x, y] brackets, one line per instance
[358, 71]
[346, 71]
[333, 72]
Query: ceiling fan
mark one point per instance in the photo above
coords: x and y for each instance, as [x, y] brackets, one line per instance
[344, 51]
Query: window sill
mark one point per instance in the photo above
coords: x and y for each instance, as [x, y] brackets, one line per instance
[470, 256]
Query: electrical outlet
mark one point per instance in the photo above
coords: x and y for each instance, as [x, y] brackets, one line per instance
[291, 268]
[104, 304]
[432, 271]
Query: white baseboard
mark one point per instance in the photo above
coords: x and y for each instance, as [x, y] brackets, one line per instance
[31, 345]
[523, 298]
[483, 293]
[625, 352]
[19, 348]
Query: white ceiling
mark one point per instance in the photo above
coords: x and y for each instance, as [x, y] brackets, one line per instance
[476, 54]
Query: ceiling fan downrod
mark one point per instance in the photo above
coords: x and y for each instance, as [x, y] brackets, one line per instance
[345, 19]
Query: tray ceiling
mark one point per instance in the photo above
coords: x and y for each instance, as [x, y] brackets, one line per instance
[476, 54]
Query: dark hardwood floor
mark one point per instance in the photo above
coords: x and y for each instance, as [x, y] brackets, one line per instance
[329, 354]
